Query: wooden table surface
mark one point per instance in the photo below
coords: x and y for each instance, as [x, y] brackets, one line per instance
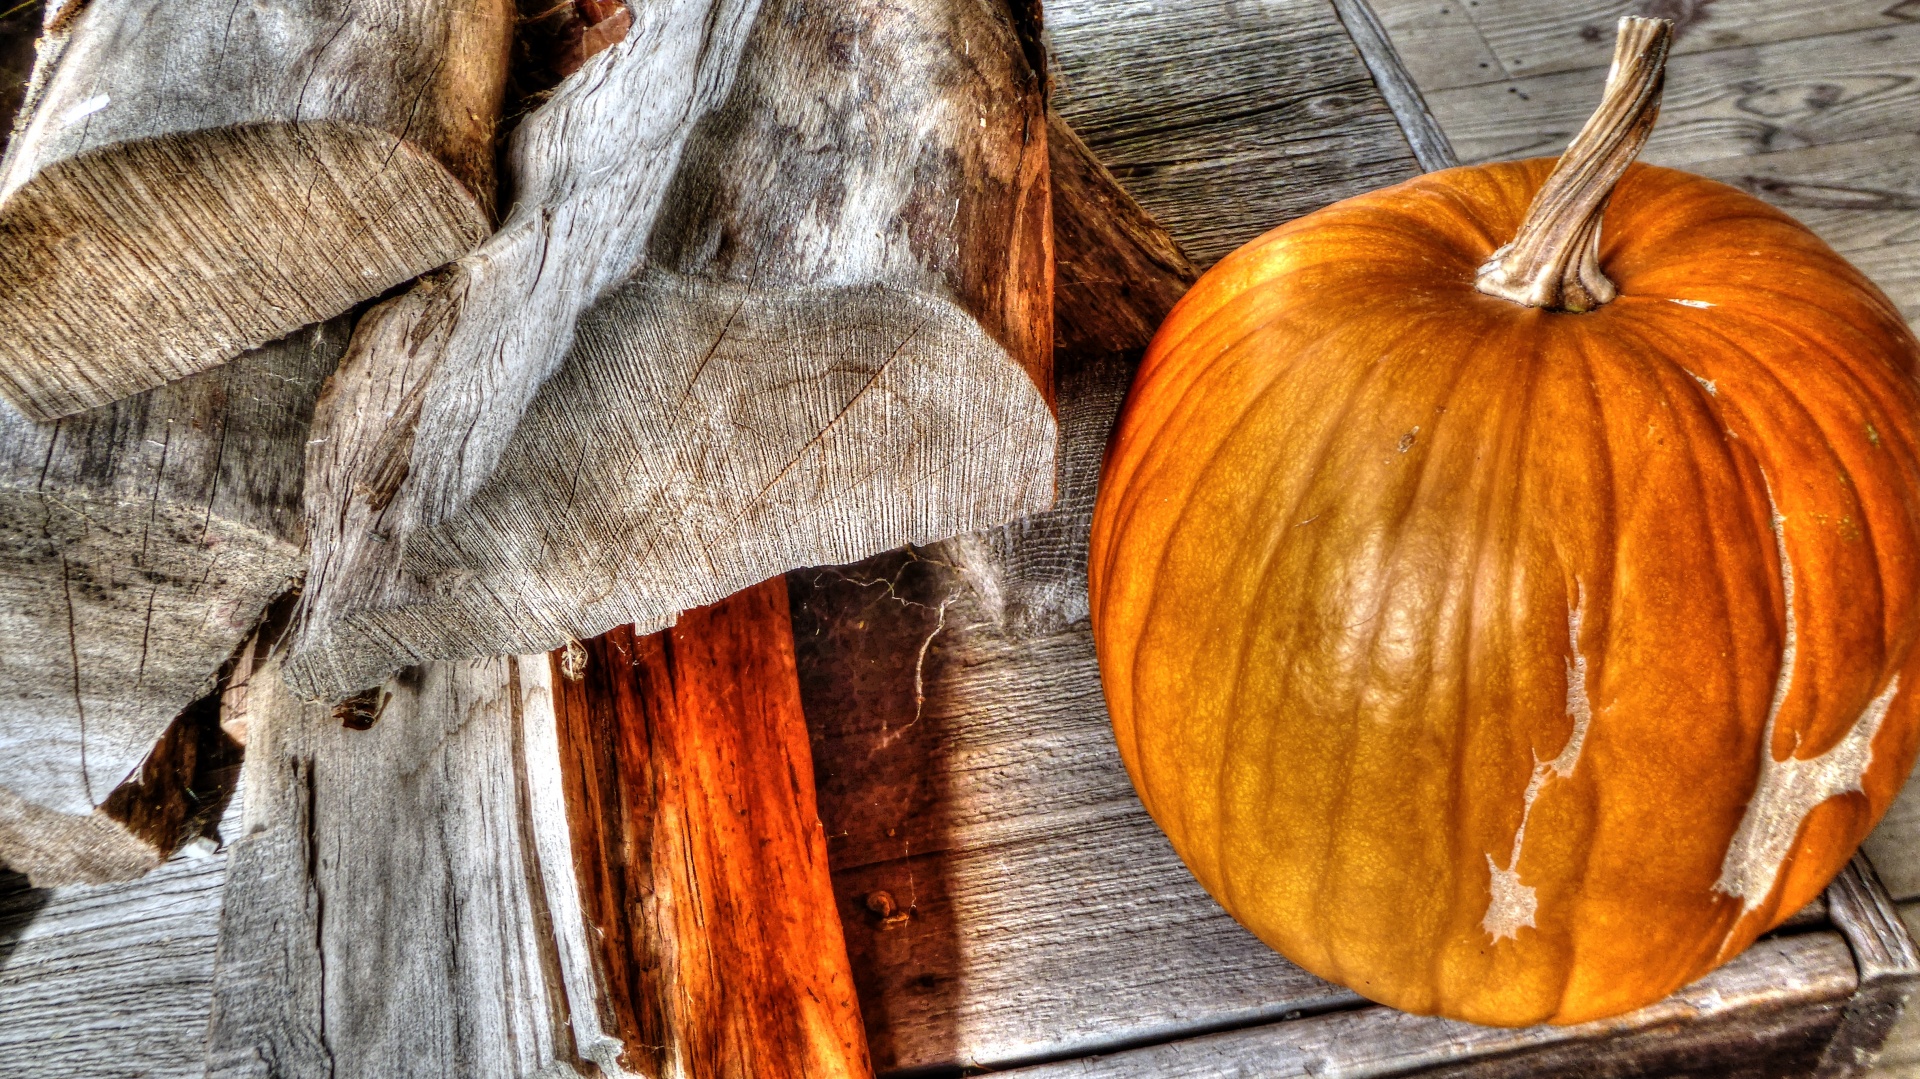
[965, 764]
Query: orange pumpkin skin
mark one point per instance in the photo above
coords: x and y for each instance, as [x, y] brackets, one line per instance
[1384, 570]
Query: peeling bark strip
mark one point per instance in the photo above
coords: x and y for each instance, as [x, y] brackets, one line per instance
[775, 293]
[139, 544]
[394, 907]
[194, 178]
[699, 850]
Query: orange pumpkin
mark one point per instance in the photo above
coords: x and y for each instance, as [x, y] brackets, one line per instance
[1519, 663]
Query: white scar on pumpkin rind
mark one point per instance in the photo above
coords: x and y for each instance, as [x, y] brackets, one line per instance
[1789, 790]
[1512, 905]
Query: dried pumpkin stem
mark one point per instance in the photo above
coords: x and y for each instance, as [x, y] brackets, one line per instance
[1554, 261]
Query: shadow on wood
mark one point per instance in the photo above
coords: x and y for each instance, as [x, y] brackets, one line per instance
[19, 902]
[866, 643]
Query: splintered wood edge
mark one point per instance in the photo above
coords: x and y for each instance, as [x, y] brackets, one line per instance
[140, 263]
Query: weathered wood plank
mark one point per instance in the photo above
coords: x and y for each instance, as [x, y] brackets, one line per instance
[1440, 45]
[1782, 95]
[1054, 947]
[1769, 1012]
[1900, 1055]
[1887, 962]
[139, 544]
[1467, 42]
[1224, 118]
[1396, 86]
[804, 291]
[390, 906]
[110, 981]
[197, 178]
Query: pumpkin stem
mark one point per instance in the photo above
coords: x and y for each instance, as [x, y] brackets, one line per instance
[1554, 260]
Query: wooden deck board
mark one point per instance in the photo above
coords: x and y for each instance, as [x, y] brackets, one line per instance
[1224, 118]
[1471, 42]
[1732, 1017]
[1053, 948]
[1728, 103]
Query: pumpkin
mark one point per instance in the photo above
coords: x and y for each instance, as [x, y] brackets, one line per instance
[1507, 617]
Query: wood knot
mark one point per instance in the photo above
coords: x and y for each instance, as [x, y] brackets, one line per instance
[881, 903]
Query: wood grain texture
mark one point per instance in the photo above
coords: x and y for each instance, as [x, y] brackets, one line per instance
[1887, 962]
[1453, 43]
[139, 544]
[197, 178]
[789, 312]
[1767, 1013]
[1396, 86]
[110, 981]
[1778, 96]
[700, 854]
[389, 906]
[1900, 1055]
[1005, 897]
[1117, 272]
[1224, 118]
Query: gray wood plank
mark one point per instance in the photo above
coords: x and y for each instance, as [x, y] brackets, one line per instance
[1900, 1055]
[111, 981]
[1439, 42]
[1766, 1013]
[1402, 94]
[1782, 95]
[1224, 118]
[1887, 962]
[1468, 42]
[1056, 947]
